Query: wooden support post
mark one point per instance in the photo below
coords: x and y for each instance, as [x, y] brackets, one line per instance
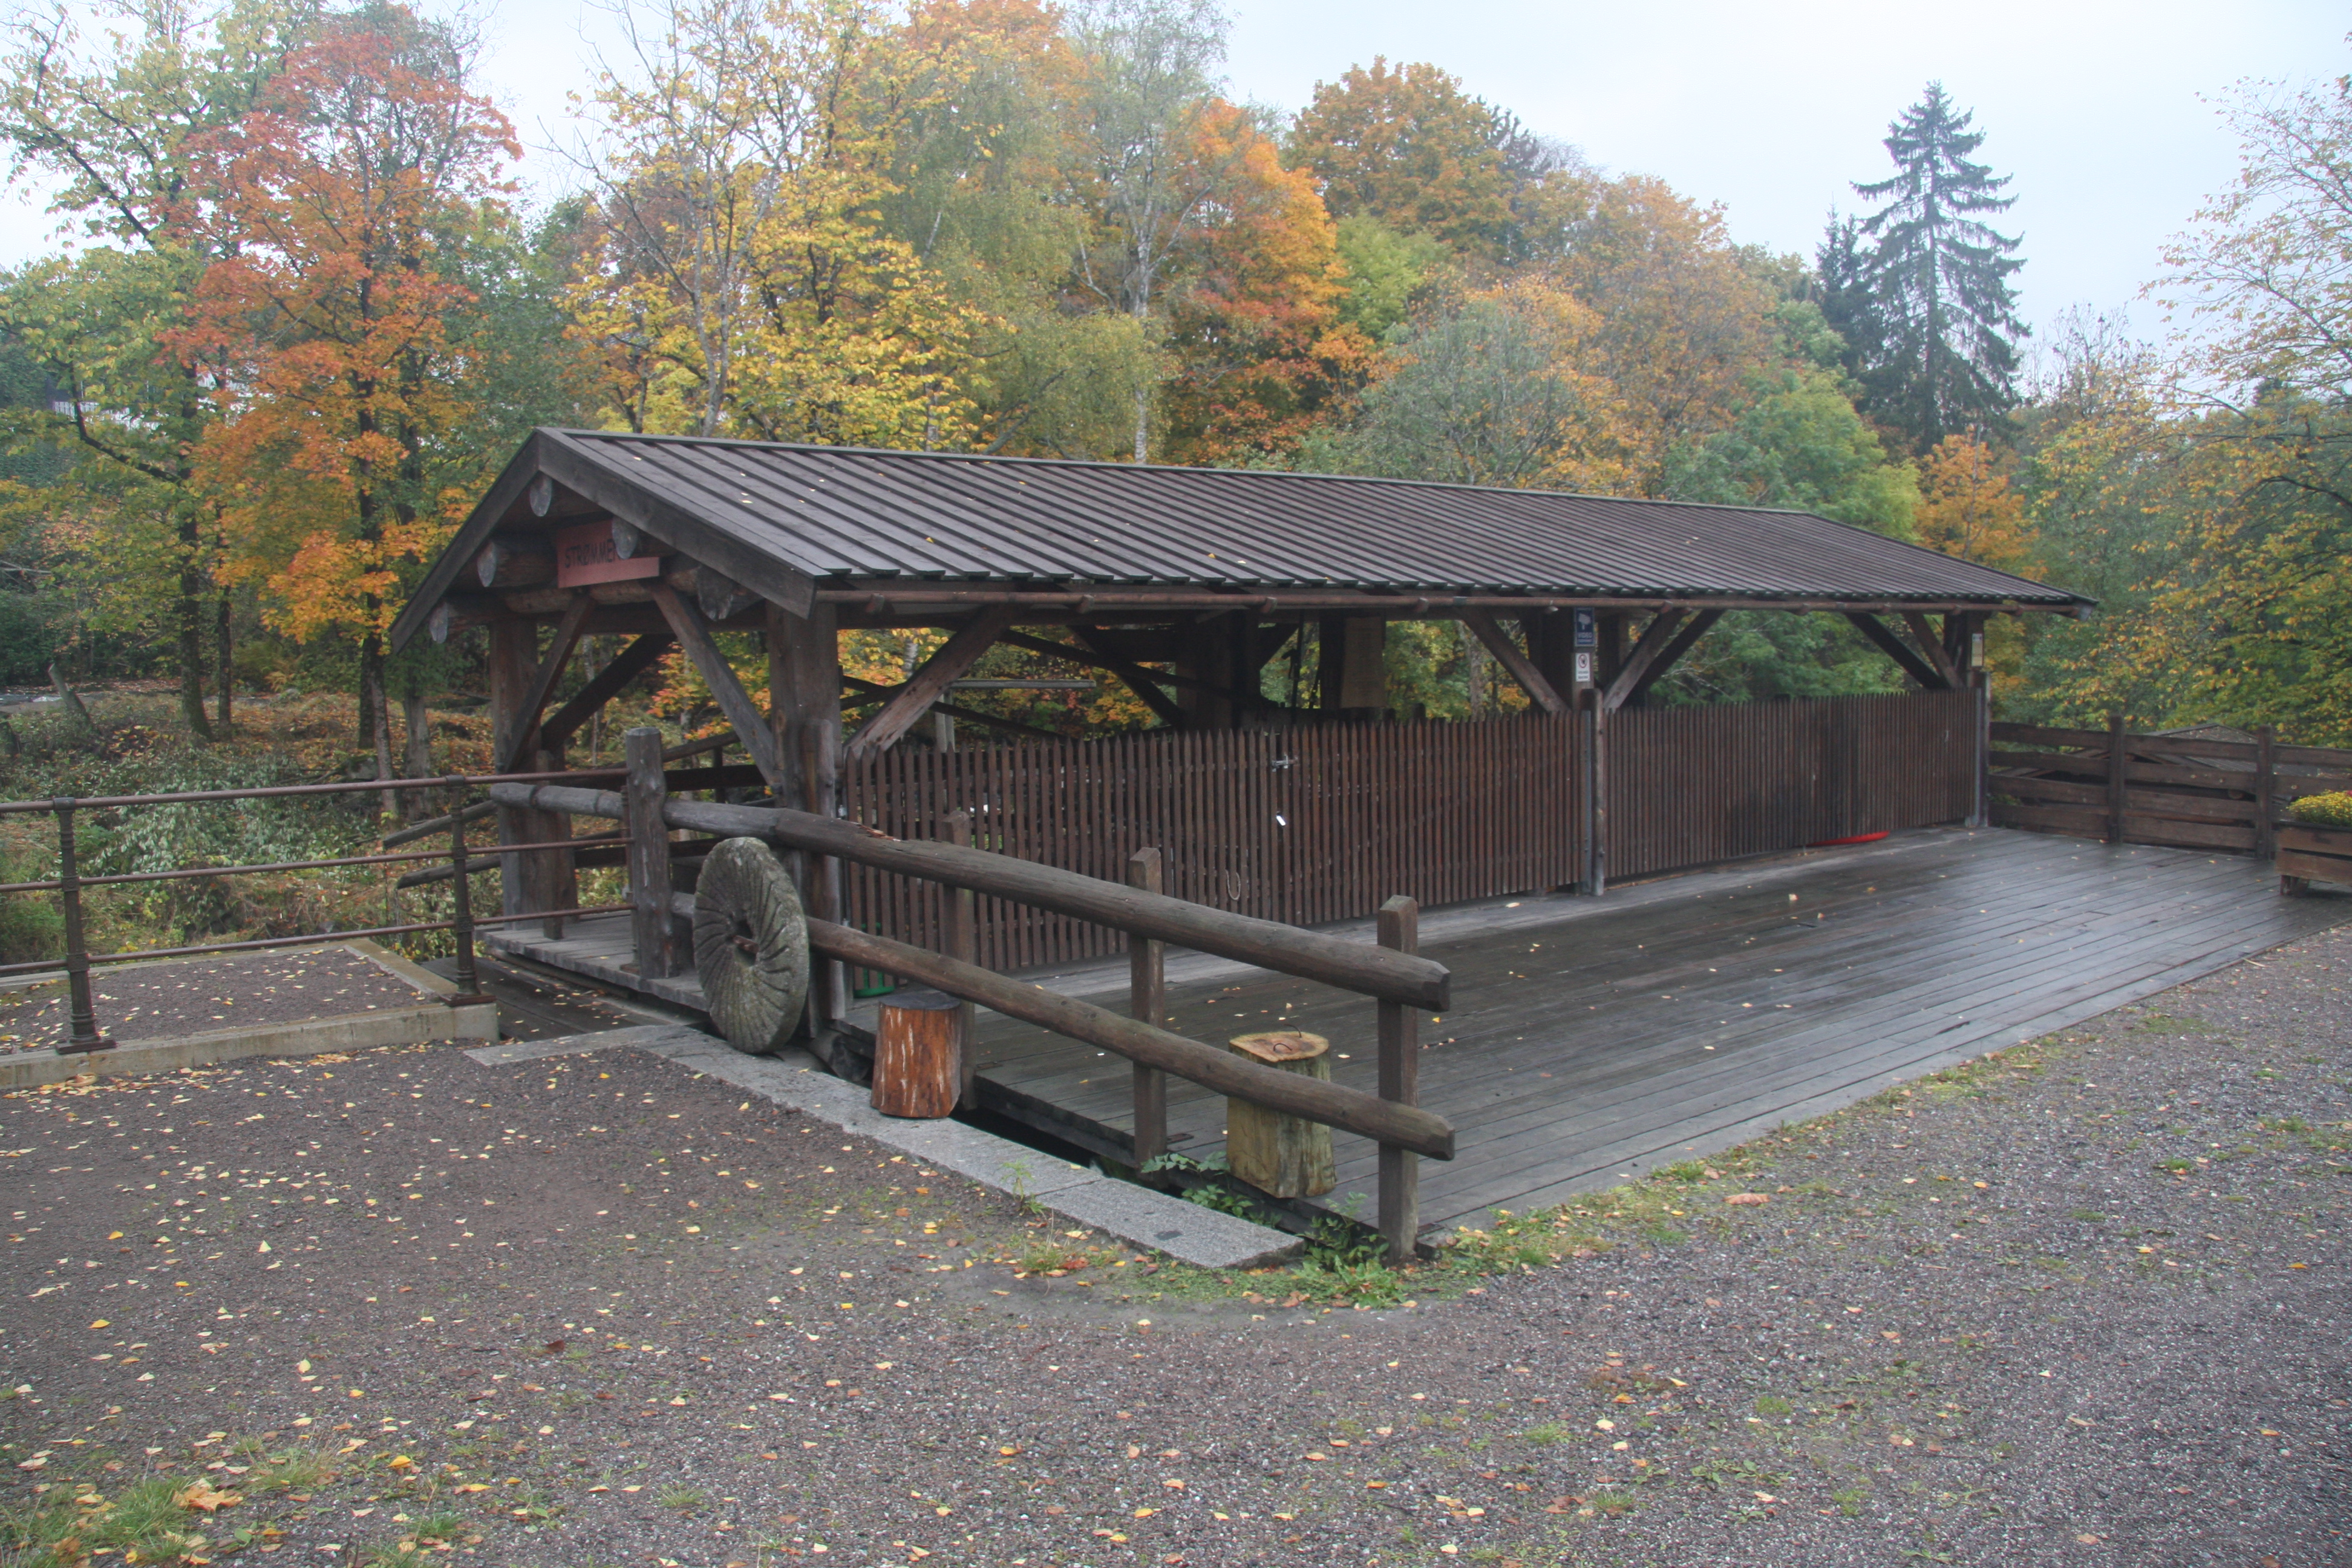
[961, 941]
[1596, 797]
[918, 1054]
[804, 692]
[1980, 816]
[1147, 995]
[1610, 660]
[652, 926]
[1551, 645]
[2118, 776]
[525, 739]
[1330, 659]
[1399, 1049]
[1488, 631]
[2266, 793]
[540, 879]
[1282, 1156]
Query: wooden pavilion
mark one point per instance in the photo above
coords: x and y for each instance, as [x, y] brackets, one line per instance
[1183, 583]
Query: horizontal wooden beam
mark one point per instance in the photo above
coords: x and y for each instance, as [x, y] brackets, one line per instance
[1394, 606]
[1221, 1072]
[1313, 955]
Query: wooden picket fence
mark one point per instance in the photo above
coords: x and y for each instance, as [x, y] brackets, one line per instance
[1695, 786]
[1318, 823]
[2183, 789]
[1301, 824]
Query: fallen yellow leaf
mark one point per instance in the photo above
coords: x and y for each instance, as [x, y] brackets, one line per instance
[206, 1497]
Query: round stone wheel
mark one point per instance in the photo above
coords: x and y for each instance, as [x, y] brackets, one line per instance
[751, 945]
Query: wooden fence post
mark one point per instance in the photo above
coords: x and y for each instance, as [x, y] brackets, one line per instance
[1399, 1048]
[2119, 777]
[1982, 680]
[961, 940]
[1146, 991]
[652, 925]
[1596, 795]
[2266, 793]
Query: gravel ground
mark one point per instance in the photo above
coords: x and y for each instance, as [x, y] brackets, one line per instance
[171, 1001]
[2084, 1303]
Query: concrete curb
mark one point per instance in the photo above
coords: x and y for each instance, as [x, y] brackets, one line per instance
[350, 1032]
[1137, 1215]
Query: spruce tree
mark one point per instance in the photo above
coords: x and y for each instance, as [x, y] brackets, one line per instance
[1937, 324]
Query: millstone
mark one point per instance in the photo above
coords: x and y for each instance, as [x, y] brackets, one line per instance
[751, 945]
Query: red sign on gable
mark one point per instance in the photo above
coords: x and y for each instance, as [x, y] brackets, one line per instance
[584, 554]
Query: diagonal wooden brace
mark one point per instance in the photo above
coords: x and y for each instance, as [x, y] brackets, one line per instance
[542, 682]
[929, 684]
[752, 726]
[1488, 631]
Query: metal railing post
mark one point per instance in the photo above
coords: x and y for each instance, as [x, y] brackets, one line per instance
[461, 925]
[1147, 1000]
[1399, 1048]
[83, 1025]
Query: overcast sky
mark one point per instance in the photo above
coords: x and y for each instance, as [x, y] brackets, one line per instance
[2103, 110]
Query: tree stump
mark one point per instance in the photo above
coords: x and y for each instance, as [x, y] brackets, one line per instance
[918, 1053]
[1281, 1156]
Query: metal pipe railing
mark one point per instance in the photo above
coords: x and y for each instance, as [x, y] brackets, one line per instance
[83, 1032]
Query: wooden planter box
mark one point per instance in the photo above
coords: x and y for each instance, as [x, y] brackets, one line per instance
[2307, 854]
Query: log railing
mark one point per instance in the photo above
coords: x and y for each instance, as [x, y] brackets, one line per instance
[1391, 972]
[2131, 788]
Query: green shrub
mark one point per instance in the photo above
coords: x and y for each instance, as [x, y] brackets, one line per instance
[2333, 810]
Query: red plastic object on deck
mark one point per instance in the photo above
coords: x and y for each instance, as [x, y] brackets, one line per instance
[1857, 838]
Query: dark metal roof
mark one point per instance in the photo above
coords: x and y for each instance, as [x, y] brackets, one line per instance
[839, 514]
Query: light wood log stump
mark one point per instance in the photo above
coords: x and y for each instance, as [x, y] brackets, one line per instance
[1281, 1156]
[918, 1053]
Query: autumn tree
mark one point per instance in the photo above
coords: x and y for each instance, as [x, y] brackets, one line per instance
[116, 125]
[329, 326]
[1257, 337]
[1937, 324]
[1682, 329]
[1406, 145]
[1968, 508]
[1148, 73]
[744, 282]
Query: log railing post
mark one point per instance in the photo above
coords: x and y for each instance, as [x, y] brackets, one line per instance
[653, 926]
[83, 1017]
[461, 918]
[1146, 990]
[2266, 793]
[2119, 777]
[1399, 1050]
[961, 940]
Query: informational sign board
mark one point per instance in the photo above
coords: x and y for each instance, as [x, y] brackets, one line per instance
[1583, 668]
[1588, 629]
[584, 554]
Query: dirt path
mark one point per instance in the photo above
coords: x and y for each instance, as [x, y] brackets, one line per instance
[2085, 1304]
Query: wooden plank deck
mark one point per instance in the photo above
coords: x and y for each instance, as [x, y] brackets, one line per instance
[1592, 1040]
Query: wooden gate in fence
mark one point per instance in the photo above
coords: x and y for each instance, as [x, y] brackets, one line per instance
[2194, 791]
[1321, 822]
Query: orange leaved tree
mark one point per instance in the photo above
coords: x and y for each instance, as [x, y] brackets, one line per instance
[335, 326]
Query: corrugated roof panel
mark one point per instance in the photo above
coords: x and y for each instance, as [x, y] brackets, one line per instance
[836, 512]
